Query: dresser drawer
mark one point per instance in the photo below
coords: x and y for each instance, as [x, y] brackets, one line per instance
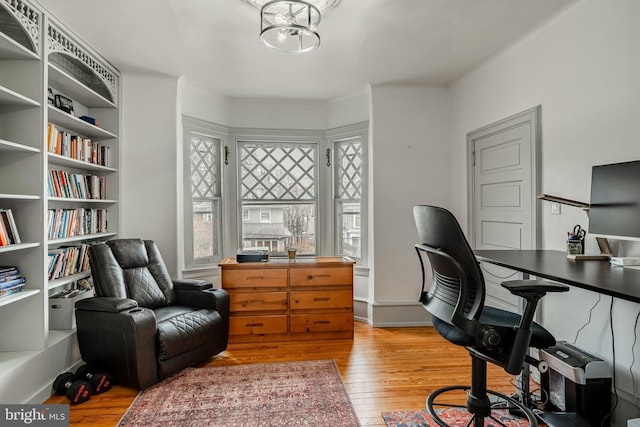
[258, 325]
[321, 276]
[257, 301]
[322, 322]
[301, 300]
[268, 277]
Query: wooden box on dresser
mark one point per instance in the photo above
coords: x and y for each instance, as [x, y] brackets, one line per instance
[283, 300]
[39, 57]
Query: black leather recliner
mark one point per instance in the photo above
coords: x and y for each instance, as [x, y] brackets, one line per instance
[142, 326]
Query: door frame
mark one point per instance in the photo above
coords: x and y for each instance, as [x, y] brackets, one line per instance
[532, 116]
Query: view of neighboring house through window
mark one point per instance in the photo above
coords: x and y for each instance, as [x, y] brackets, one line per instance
[278, 192]
[348, 195]
[202, 217]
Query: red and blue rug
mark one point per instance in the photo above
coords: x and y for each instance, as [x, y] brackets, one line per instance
[453, 417]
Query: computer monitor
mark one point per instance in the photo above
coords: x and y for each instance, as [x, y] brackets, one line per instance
[615, 201]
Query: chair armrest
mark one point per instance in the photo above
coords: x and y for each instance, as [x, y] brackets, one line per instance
[217, 299]
[533, 288]
[106, 304]
[531, 291]
[120, 337]
[190, 284]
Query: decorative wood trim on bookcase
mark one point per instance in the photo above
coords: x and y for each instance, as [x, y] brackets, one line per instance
[59, 41]
[28, 18]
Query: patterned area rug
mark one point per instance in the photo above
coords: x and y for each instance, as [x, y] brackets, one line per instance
[275, 394]
[453, 417]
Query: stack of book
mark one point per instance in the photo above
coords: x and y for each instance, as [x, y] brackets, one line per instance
[76, 147]
[76, 186]
[11, 281]
[76, 222]
[8, 230]
[66, 261]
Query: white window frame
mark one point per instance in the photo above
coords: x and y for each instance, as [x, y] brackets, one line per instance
[270, 136]
[192, 126]
[358, 131]
[231, 213]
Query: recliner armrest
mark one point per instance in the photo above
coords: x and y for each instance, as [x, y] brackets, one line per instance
[191, 284]
[106, 304]
[217, 299]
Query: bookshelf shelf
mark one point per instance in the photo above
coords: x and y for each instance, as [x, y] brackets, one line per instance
[93, 201]
[6, 196]
[14, 146]
[18, 247]
[58, 160]
[83, 237]
[9, 98]
[73, 88]
[73, 123]
[10, 49]
[19, 296]
[53, 284]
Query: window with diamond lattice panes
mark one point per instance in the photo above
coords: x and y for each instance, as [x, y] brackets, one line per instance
[348, 195]
[205, 198]
[278, 190]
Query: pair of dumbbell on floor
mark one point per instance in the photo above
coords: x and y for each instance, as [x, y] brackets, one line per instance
[79, 387]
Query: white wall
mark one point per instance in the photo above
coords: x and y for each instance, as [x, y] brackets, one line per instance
[583, 68]
[409, 165]
[149, 170]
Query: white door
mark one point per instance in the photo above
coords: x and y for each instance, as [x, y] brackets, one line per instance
[504, 187]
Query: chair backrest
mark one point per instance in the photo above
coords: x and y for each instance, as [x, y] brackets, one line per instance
[457, 291]
[131, 268]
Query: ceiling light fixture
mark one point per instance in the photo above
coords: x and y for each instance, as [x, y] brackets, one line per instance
[291, 26]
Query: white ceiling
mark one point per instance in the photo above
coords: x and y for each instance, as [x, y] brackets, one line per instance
[214, 43]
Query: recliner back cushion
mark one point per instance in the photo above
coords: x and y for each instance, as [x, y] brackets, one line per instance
[130, 253]
[142, 287]
[132, 268]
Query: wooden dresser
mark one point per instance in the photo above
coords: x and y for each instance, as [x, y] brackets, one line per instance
[285, 300]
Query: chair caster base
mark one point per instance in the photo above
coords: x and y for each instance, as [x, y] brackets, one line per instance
[499, 412]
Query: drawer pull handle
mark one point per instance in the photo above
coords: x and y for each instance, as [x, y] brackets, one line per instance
[253, 301]
[317, 276]
[255, 325]
[321, 322]
[322, 299]
[255, 278]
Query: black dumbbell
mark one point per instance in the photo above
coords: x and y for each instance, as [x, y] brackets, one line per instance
[100, 381]
[76, 389]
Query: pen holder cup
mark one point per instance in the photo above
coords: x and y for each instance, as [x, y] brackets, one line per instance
[575, 247]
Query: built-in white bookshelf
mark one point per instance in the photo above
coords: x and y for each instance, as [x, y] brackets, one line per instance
[39, 55]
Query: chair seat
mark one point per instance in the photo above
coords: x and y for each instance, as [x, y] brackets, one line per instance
[182, 329]
[540, 338]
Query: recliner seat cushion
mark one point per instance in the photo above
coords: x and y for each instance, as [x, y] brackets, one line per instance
[180, 329]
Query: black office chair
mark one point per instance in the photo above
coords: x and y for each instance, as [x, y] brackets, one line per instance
[455, 300]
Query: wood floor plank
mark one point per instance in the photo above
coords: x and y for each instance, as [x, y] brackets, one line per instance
[383, 369]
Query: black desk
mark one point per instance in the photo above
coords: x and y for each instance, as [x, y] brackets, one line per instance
[596, 276]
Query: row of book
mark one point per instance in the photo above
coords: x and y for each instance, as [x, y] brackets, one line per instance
[68, 260]
[8, 230]
[76, 186]
[76, 147]
[11, 281]
[76, 222]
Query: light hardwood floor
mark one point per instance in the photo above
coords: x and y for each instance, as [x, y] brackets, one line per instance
[383, 369]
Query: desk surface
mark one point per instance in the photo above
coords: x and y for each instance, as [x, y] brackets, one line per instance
[596, 276]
